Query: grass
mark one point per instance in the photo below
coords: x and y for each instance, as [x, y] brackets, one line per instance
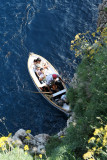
[15, 154]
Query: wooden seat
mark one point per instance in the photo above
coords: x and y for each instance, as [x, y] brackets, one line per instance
[58, 93]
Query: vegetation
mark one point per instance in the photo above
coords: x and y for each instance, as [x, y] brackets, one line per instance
[10, 150]
[87, 137]
[88, 102]
[15, 154]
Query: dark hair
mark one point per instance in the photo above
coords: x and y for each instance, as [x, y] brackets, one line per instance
[38, 59]
[34, 60]
[41, 69]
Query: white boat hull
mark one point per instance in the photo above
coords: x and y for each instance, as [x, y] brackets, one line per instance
[65, 108]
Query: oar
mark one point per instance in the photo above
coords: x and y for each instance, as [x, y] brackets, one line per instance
[37, 92]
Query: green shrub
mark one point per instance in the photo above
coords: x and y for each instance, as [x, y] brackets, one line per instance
[53, 142]
[87, 100]
[105, 9]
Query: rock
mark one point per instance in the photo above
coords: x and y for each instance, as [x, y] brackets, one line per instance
[33, 150]
[62, 133]
[31, 142]
[40, 148]
[41, 138]
[74, 82]
[102, 18]
[36, 143]
[20, 134]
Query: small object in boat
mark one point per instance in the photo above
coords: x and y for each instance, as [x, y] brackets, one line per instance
[63, 97]
[60, 102]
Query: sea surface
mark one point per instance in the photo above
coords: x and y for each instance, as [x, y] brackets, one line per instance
[45, 27]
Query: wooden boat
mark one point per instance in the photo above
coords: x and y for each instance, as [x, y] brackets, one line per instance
[54, 98]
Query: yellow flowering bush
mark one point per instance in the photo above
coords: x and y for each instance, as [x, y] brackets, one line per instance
[88, 43]
[9, 147]
[7, 144]
[3, 143]
[99, 141]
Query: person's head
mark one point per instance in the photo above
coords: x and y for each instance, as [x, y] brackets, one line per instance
[38, 68]
[54, 87]
[55, 76]
[38, 60]
[42, 70]
[34, 61]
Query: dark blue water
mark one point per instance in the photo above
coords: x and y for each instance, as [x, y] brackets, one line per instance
[45, 27]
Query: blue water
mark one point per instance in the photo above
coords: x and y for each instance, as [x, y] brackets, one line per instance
[45, 27]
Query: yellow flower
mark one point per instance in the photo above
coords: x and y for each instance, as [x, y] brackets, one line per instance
[101, 129]
[28, 138]
[79, 33]
[87, 155]
[77, 37]
[95, 41]
[93, 34]
[9, 134]
[2, 144]
[104, 142]
[26, 147]
[61, 136]
[99, 150]
[4, 138]
[94, 148]
[72, 41]
[105, 127]
[98, 139]
[28, 131]
[105, 135]
[40, 155]
[98, 30]
[97, 131]
[72, 47]
[3, 148]
[91, 140]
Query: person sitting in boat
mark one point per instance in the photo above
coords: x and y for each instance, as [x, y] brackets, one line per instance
[34, 65]
[50, 81]
[39, 63]
[42, 76]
